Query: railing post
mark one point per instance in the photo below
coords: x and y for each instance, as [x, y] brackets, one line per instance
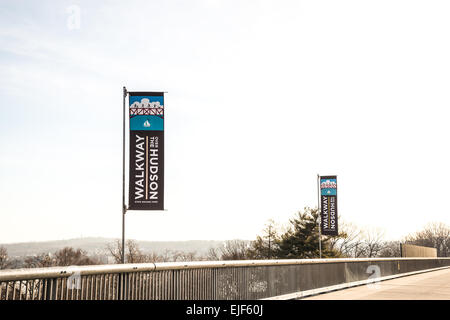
[50, 289]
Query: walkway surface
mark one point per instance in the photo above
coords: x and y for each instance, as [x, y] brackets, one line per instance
[434, 285]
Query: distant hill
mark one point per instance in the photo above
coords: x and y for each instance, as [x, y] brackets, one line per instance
[98, 246]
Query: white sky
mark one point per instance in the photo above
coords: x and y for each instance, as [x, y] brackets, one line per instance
[262, 96]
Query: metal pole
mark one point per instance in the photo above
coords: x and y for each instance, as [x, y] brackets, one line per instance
[124, 208]
[320, 217]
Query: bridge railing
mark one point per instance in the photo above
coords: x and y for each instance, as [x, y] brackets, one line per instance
[205, 280]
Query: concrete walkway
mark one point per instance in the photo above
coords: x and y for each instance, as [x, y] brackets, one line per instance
[433, 285]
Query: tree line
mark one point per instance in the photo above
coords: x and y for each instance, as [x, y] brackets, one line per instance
[65, 257]
[298, 240]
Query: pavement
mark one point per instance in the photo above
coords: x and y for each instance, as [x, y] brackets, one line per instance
[434, 285]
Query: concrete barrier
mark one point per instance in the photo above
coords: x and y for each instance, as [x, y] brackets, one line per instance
[409, 250]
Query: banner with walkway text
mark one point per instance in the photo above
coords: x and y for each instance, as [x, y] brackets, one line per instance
[328, 213]
[146, 187]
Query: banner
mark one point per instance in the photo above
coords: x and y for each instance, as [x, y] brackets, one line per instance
[146, 187]
[328, 213]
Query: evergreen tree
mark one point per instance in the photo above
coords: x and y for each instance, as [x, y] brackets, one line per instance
[301, 241]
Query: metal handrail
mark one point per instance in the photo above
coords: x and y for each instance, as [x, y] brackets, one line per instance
[209, 280]
[61, 272]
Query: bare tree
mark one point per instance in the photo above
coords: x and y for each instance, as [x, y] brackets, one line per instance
[133, 253]
[42, 260]
[373, 242]
[231, 250]
[355, 242]
[434, 235]
[166, 256]
[4, 259]
[390, 249]
[65, 257]
[153, 257]
[115, 250]
[235, 250]
[185, 256]
[348, 243]
[69, 257]
[213, 254]
[265, 245]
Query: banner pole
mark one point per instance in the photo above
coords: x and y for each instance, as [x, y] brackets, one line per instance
[124, 208]
[320, 217]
